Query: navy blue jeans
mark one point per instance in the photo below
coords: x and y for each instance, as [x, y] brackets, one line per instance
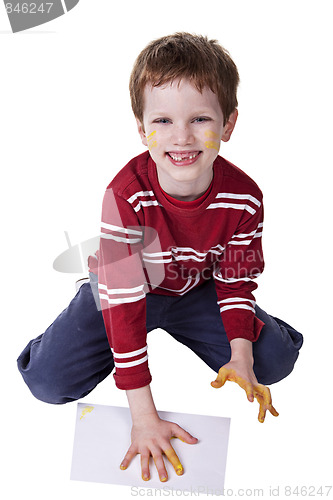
[73, 355]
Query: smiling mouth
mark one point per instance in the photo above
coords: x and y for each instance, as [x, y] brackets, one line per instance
[178, 156]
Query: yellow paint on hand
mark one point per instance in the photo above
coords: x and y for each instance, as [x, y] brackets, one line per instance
[211, 134]
[86, 409]
[260, 391]
[212, 145]
[162, 477]
[177, 437]
[174, 460]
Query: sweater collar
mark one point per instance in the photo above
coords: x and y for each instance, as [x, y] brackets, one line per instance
[186, 208]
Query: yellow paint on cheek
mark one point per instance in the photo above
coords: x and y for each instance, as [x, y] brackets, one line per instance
[212, 145]
[151, 143]
[151, 135]
[86, 409]
[211, 135]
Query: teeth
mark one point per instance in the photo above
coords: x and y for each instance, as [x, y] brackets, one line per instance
[179, 158]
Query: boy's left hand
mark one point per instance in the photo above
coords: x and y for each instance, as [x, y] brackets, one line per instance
[245, 378]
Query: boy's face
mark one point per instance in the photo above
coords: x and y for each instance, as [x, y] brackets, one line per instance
[183, 129]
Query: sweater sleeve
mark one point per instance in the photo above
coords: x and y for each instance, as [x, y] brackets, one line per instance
[122, 293]
[241, 262]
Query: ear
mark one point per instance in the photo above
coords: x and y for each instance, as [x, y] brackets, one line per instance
[229, 126]
[141, 132]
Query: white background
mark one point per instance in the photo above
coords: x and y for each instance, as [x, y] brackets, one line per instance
[67, 128]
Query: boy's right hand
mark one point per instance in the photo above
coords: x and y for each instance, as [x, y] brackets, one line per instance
[151, 436]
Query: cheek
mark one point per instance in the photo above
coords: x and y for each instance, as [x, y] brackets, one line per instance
[211, 135]
[151, 139]
[212, 145]
[213, 142]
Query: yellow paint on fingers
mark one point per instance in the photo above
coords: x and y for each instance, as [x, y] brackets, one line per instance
[260, 391]
[177, 437]
[174, 460]
[162, 478]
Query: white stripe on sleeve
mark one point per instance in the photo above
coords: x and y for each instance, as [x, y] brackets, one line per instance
[129, 354]
[130, 363]
[237, 306]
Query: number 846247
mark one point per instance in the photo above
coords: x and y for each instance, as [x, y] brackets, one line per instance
[29, 8]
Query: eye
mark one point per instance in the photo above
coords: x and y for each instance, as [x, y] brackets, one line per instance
[162, 120]
[201, 119]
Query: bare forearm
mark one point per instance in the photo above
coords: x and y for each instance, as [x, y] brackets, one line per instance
[241, 349]
[141, 403]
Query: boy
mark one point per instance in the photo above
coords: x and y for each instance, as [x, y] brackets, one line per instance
[180, 246]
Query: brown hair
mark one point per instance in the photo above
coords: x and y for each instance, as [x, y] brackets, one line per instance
[183, 55]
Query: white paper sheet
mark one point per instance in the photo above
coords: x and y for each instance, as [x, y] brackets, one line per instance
[102, 437]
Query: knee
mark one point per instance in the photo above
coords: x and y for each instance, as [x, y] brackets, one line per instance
[46, 391]
[272, 369]
[42, 379]
[42, 389]
[276, 352]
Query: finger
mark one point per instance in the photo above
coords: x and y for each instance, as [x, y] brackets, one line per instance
[263, 396]
[262, 413]
[247, 386]
[174, 460]
[145, 466]
[231, 375]
[159, 463]
[183, 435]
[249, 392]
[265, 393]
[265, 399]
[221, 378]
[127, 459]
[273, 411]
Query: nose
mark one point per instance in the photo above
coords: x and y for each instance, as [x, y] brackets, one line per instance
[183, 135]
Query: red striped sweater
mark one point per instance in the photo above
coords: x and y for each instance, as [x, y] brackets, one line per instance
[152, 243]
